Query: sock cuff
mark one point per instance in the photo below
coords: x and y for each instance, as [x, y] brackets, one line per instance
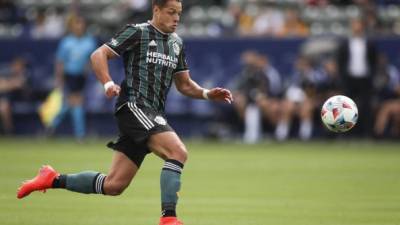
[168, 209]
[175, 162]
[98, 183]
[60, 181]
[173, 165]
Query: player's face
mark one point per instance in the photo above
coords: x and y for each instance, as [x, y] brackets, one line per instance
[78, 27]
[357, 27]
[168, 16]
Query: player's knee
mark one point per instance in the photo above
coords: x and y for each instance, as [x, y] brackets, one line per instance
[75, 100]
[114, 188]
[183, 155]
[179, 153]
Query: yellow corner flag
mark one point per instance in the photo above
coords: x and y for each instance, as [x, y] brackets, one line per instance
[51, 107]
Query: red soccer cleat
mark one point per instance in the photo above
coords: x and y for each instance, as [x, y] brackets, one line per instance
[41, 182]
[170, 221]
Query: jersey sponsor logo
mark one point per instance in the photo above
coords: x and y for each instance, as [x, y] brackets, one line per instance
[162, 59]
[160, 120]
[152, 43]
[114, 42]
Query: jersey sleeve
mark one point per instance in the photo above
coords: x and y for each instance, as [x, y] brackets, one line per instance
[182, 63]
[124, 39]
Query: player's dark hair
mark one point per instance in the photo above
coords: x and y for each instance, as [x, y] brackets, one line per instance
[161, 3]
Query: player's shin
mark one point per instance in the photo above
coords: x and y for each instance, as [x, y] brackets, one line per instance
[86, 182]
[170, 182]
[78, 118]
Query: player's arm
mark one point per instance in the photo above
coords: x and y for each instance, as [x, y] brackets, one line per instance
[117, 45]
[190, 88]
[12, 84]
[99, 60]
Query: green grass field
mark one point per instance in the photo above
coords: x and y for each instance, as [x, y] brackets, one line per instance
[294, 183]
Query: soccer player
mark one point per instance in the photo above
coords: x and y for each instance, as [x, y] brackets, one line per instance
[153, 57]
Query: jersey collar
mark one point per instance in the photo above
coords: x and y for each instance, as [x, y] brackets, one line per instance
[151, 24]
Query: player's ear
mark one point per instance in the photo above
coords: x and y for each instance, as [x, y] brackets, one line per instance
[156, 10]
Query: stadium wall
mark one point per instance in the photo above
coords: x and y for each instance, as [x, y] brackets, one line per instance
[213, 62]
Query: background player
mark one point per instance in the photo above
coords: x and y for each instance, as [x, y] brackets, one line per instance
[153, 57]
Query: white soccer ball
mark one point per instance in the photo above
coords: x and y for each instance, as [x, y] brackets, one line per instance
[339, 113]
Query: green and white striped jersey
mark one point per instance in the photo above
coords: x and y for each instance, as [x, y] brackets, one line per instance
[151, 59]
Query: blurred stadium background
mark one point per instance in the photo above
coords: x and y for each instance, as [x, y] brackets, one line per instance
[325, 179]
[283, 31]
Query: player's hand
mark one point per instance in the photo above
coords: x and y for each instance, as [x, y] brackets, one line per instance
[113, 91]
[220, 94]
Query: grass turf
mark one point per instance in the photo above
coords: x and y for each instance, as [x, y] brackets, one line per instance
[292, 183]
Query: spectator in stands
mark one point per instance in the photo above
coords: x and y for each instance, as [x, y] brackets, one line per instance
[268, 23]
[271, 103]
[357, 65]
[332, 84]
[11, 81]
[301, 100]
[55, 22]
[249, 86]
[138, 9]
[293, 25]
[38, 29]
[9, 12]
[244, 21]
[48, 23]
[373, 25]
[319, 3]
[387, 86]
[71, 69]
[252, 100]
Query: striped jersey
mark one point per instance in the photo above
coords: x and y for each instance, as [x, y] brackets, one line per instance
[151, 58]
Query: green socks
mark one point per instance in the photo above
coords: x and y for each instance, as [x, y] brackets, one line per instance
[86, 182]
[92, 182]
[170, 182]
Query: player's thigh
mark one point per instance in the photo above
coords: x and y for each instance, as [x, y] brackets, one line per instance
[276, 106]
[121, 173]
[240, 103]
[398, 107]
[272, 110]
[397, 114]
[240, 100]
[289, 107]
[307, 106]
[4, 105]
[168, 145]
[75, 99]
[74, 87]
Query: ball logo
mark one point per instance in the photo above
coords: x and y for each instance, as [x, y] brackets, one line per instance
[335, 112]
[160, 120]
[346, 105]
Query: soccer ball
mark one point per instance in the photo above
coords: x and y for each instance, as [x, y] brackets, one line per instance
[339, 113]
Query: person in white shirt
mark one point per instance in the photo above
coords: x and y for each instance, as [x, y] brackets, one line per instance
[357, 65]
